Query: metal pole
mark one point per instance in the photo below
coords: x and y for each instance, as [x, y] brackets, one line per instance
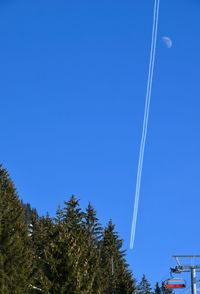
[193, 281]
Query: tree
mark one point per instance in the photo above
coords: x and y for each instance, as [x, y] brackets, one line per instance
[75, 237]
[92, 225]
[29, 212]
[63, 256]
[67, 254]
[157, 289]
[42, 238]
[144, 286]
[115, 274]
[15, 250]
[93, 231]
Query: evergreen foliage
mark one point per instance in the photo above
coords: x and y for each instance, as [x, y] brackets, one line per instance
[93, 230]
[144, 286]
[29, 212]
[157, 289]
[15, 248]
[41, 238]
[70, 253]
[115, 274]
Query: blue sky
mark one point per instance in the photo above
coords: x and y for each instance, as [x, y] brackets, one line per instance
[72, 86]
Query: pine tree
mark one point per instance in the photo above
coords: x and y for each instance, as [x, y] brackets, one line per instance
[42, 237]
[144, 286]
[157, 289]
[73, 220]
[92, 225]
[65, 252]
[115, 273]
[68, 254]
[29, 212]
[93, 231]
[15, 249]
[59, 257]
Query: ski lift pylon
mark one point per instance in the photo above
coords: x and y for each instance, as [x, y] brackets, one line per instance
[175, 283]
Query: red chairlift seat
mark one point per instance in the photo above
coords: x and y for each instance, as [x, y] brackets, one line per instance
[175, 283]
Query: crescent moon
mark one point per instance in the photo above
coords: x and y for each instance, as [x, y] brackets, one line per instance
[167, 41]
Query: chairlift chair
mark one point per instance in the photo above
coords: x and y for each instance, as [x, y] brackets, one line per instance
[175, 283]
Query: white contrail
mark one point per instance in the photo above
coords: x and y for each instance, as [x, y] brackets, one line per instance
[145, 120]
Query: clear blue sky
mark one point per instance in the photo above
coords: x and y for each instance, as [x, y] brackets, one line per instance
[72, 86]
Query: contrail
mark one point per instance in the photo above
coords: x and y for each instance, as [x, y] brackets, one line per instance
[145, 120]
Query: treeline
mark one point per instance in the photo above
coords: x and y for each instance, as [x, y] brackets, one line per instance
[70, 253]
[144, 287]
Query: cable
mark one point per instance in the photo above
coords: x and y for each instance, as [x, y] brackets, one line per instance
[145, 120]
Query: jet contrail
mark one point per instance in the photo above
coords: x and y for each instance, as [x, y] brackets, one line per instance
[145, 120]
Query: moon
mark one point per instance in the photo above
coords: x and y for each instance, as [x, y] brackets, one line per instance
[167, 41]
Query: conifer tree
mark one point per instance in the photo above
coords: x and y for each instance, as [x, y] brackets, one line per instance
[29, 212]
[92, 225]
[59, 257]
[66, 251]
[42, 238]
[73, 220]
[144, 286]
[68, 254]
[93, 231]
[115, 274]
[157, 289]
[15, 249]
